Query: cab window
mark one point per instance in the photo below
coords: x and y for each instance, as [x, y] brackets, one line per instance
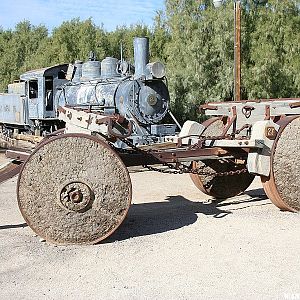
[33, 89]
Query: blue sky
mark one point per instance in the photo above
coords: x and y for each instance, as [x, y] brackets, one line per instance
[53, 12]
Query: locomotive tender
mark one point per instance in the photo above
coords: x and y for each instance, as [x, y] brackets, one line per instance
[74, 187]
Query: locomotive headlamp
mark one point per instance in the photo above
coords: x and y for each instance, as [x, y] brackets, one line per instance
[156, 69]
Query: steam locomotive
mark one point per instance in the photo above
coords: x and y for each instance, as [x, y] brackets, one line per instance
[137, 92]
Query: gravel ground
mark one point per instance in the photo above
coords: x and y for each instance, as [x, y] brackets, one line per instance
[174, 244]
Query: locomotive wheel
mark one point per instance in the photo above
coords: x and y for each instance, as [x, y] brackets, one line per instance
[220, 187]
[74, 189]
[282, 186]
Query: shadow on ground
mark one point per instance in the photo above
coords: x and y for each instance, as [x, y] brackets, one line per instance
[177, 212]
[174, 213]
[11, 226]
[257, 193]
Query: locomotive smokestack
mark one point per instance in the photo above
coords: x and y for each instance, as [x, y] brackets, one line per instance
[141, 55]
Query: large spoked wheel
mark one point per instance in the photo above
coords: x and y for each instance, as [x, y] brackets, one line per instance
[220, 187]
[74, 189]
[282, 186]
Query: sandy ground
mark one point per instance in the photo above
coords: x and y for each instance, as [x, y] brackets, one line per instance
[174, 244]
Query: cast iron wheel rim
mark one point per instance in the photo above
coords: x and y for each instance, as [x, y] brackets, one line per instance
[104, 206]
[273, 185]
[213, 126]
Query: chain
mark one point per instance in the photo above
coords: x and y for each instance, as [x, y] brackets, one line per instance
[177, 168]
[183, 169]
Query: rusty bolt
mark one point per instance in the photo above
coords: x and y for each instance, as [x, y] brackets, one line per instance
[76, 196]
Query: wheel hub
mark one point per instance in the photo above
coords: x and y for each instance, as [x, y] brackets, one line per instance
[76, 196]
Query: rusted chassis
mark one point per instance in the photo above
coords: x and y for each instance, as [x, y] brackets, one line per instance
[81, 170]
[178, 155]
[152, 157]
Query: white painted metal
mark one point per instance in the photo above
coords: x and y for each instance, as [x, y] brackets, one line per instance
[190, 129]
[81, 121]
[259, 160]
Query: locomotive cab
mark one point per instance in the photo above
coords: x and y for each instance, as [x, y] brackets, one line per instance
[41, 85]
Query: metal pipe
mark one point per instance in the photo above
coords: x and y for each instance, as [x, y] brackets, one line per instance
[141, 55]
[174, 119]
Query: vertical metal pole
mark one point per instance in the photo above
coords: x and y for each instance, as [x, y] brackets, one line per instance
[237, 50]
[121, 49]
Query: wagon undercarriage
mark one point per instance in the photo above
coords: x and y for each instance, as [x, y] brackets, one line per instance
[74, 186]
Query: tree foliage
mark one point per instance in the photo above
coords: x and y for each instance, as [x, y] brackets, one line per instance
[201, 51]
[16, 47]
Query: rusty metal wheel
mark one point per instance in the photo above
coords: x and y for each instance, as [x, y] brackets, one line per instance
[282, 186]
[214, 126]
[74, 189]
[220, 187]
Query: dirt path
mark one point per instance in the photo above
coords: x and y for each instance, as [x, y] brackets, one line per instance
[174, 244]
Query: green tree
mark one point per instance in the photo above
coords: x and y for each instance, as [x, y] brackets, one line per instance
[159, 38]
[273, 58]
[124, 35]
[16, 48]
[200, 56]
[74, 39]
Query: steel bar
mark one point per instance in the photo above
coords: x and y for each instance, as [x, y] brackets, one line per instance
[17, 155]
[10, 170]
